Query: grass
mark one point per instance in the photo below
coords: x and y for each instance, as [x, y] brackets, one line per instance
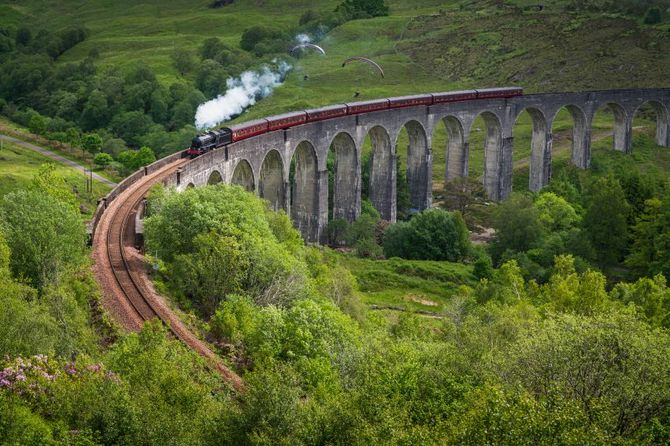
[15, 130]
[18, 166]
[423, 45]
[414, 285]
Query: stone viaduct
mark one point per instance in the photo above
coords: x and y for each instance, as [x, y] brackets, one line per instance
[262, 163]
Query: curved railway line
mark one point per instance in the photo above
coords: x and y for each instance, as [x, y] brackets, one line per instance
[121, 271]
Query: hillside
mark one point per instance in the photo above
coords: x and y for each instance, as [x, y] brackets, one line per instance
[423, 47]
[18, 167]
[435, 45]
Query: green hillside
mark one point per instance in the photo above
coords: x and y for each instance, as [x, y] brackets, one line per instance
[18, 167]
[423, 46]
[437, 45]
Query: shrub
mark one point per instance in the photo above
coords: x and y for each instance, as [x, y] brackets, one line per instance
[362, 9]
[202, 230]
[434, 234]
[653, 16]
[102, 159]
[46, 236]
[483, 268]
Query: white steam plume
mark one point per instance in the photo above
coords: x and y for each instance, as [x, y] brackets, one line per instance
[303, 38]
[241, 93]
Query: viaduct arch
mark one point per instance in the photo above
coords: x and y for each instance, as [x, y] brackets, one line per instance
[263, 164]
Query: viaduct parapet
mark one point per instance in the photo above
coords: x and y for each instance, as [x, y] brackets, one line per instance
[262, 163]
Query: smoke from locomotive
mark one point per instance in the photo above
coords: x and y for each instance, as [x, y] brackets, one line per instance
[241, 93]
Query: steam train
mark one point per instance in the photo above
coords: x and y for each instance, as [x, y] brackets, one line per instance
[218, 138]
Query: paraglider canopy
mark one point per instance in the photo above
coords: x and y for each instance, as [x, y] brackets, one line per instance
[308, 45]
[366, 60]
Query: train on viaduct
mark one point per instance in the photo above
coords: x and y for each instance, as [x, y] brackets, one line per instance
[261, 163]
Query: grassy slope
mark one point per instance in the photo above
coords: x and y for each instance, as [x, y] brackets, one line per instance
[65, 150]
[424, 45]
[409, 284]
[19, 165]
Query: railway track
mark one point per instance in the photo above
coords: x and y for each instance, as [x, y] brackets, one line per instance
[119, 234]
[121, 271]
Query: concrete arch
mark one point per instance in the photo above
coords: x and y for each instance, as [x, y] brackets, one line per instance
[540, 150]
[346, 195]
[271, 185]
[662, 122]
[493, 146]
[581, 135]
[214, 177]
[622, 126]
[305, 191]
[457, 149]
[382, 173]
[243, 175]
[418, 166]
[190, 186]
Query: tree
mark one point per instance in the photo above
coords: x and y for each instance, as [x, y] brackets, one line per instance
[518, 226]
[254, 35]
[48, 181]
[214, 270]
[73, 136]
[96, 111]
[210, 48]
[182, 113]
[653, 16]
[434, 234]
[45, 236]
[131, 126]
[605, 220]
[361, 234]
[651, 295]
[24, 75]
[568, 291]
[134, 159]
[38, 124]
[650, 251]
[114, 146]
[103, 159]
[211, 78]
[158, 105]
[615, 367]
[555, 213]
[144, 157]
[23, 36]
[362, 9]
[272, 272]
[461, 193]
[92, 143]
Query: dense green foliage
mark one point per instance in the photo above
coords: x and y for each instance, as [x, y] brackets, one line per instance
[362, 9]
[219, 241]
[44, 236]
[498, 366]
[434, 234]
[613, 220]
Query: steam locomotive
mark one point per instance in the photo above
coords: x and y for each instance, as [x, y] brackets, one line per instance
[218, 138]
